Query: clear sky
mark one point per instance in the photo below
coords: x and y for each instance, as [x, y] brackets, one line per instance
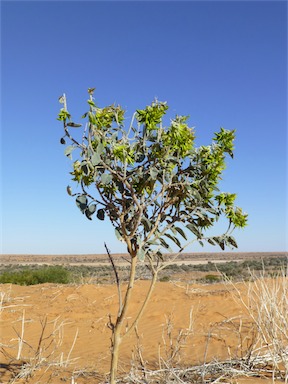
[223, 63]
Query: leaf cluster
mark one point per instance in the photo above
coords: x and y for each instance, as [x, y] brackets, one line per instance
[150, 180]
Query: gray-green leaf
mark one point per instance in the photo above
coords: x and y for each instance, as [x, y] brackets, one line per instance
[141, 254]
[153, 173]
[193, 229]
[95, 159]
[101, 214]
[74, 125]
[106, 178]
[174, 239]
[81, 202]
[68, 150]
[100, 148]
[118, 235]
[163, 242]
[182, 233]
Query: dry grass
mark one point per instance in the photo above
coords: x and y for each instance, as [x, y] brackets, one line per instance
[259, 334]
[266, 303]
[24, 359]
[261, 351]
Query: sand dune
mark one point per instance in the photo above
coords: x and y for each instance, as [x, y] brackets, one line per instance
[82, 313]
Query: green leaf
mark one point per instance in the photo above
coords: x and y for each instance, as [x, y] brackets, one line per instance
[174, 239]
[95, 159]
[106, 178]
[139, 157]
[174, 230]
[81, 202]
[69, 190]
[182, 233]
[68, 150]
[118, 235]
[152, 242]
[90, 102]
[168, 176]
[120, 186]
[92, 208]
[63, 115]
[85, 168]
[231, 240]
[163, 242]
[141, 254]
[153, 173]
[90, 211]
[101, 214]
[210, 241]
[220, 241]
[100, 149]
[146, 223]
[194, 230]
[62, 99]
[74, 125]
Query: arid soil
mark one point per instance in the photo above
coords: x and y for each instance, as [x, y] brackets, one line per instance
[66, 335]
[75, 337]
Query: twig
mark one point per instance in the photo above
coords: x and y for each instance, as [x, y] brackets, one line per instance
[117, 279]
[21, 337]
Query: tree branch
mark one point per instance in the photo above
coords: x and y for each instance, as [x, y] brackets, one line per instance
[117, 279]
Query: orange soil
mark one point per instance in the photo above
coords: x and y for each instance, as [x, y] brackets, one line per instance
[84, 311]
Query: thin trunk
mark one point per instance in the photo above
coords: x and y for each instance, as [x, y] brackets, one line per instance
[116, 337]
[146, 301]
[116, 341]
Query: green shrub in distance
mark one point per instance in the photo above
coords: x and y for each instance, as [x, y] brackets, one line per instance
[164, 278]
[55, 274]
[211, 279]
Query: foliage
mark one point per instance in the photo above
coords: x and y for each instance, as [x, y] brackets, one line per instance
[211, 279]
[100, 273]
[54, 274]
[151, 181]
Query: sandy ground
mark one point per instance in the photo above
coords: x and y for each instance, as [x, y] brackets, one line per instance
[76, 337]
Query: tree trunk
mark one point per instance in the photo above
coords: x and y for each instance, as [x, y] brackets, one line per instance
[116, 336]
[116, 340]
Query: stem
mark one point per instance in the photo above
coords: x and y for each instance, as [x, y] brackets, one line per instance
[116, 329]
[144, 305]
[117, 278]
[20, 345]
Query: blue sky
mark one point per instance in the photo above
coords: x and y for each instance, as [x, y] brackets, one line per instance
[223, 63]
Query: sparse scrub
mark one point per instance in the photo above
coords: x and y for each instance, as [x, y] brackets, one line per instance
[55, 274]
[97, 274]
[24, 359]
[266, 303]
[211, 279]
[256, 341]
[164, 278]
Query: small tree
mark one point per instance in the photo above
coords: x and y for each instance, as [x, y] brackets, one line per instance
[154, 186]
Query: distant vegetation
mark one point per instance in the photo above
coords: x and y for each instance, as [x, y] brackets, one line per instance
[32, 276]
[103, 274]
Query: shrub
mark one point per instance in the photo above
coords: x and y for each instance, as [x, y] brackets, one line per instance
[55, 274]
[211, 279]
[164, 278]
